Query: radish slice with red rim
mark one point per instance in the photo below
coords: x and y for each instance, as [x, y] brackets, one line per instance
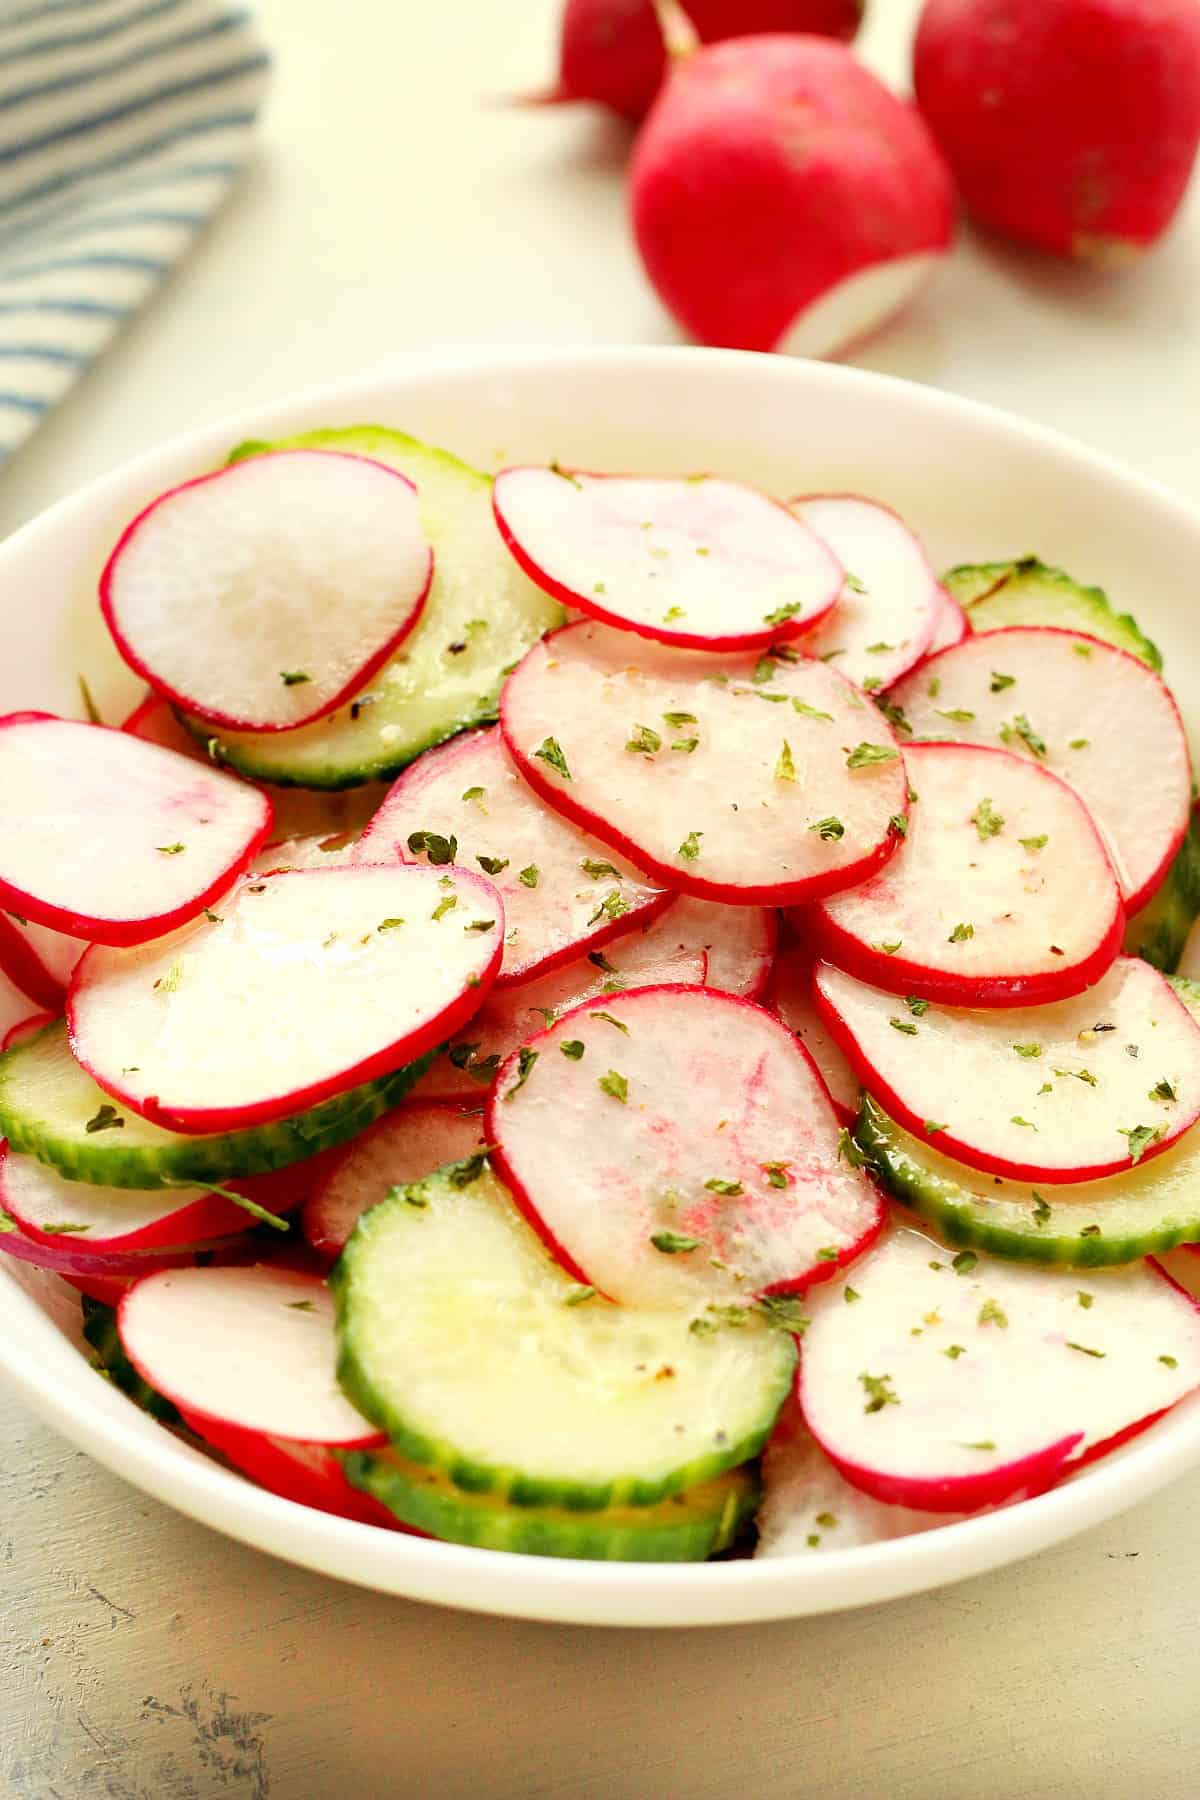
[951, 625]
[1003, 894]
[955, 1382]
[213, 1029]
[109, 838]
[401, 1148]
[739, 943]
[754, 782]
[467, 1067]
[40, 961]
[307, 1474]
[1093, 714]
[1066, 1092]
[675, 1144]
[260, 596]
[789, 996]
[693, 561]
[61, 1256]
[562, 892]
[25, 1028]
[250, 1349]
[891, 601]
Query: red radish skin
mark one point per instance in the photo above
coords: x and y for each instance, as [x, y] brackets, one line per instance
[307, 1474]
[238, 561]
[783, 199]
[1103, 721]
[957, 1382]
[968, 915]
[554, 909]
[696, 561]
[108, 838]
[1071, 125]
[62, 1258]
[688, 1116]
[1037, 1095]
[683, 814]
[26, 1028]
[790, 997]
[108, 1289]
[403, 1147]
[950, 627]
[612, 51]
[22, 965]
[191, 1033]
[885, 617]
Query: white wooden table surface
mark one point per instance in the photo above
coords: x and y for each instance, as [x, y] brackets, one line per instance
[145, 1658]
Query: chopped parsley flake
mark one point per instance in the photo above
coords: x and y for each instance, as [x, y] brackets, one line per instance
[879, 1392]
[1041, 1209]
[169, 982]
[1169, 1362]
[933, 1126]
[550, 752]
[804, 711]
[475, 925]
[212, 917]
[1021, 728]
[106, 1119]
[983, 1444]
[898, 825]
[573, 1048]
[676, 719]
[1140, 1138]
[1028, 1049]
[867, 756]
[610, 1020]
[529, 876]
[782, 614]
[1000, 682]
[896, 718]
[1079, 744]
[170, 849]
[961, 715]
[987, 822]
[473, 793]
[395, 924]
[675, 1243]
[879, 649]
[849, 1294]
[581, 1292]
[1018, 1120]
[294, 677]
[889, 946]
[960, 934]
[829, 829]
[954, 1351]
[918, 1008]
[964, 1262]
[904, 1025]
[440, 850]
[446, 904]
[856, 587]
[690, 847]
[785, 767]
[1084, 1298]
[1034, 843]
[673, 612]
[596, 870]
[992, 1314]
[613, 906]
[1086, 1350]
[644, 740]
[614, 1085]
[687, 745]
[1164, 1093]
[776, 1173]
[492, 865]
[525, 1061]
[715, 1185]
[849, 1152]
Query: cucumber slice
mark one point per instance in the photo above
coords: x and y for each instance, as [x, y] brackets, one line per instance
[1089, 1224]
[109, 1359]
[686, 1527]
[481, 1358]
[49, 1108]
[1030, 592]
[481, 616]
[1159, 931]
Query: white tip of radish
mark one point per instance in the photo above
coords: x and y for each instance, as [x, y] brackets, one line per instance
[859, 306]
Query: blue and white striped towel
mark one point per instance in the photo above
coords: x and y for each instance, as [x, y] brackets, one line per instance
[122, 125]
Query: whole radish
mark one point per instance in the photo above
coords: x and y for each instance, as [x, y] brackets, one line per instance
[781, 197]
[1071, 125]
[612, 50]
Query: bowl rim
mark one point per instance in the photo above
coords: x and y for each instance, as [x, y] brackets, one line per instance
[33, 1349]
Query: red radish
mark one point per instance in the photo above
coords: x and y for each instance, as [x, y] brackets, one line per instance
[739, 942]
[783, 199]
[950, 627]
[562, 894]
[260, 596]
[1002, 896]
[695, 561]
[249, 1358]
[402, 1147]
[108, 1289]
[790, 998]
[62, 1257]
[111, 839]
[675, 1145]
[1066, 1092]
[1071, 125]
[953, 1383]
[612, 50]
[466, 1069]
[308, 983]
[891, 601]
[809, 1507]
[756, 783]
[1094, 714]
[26, 1028]
[39, 960]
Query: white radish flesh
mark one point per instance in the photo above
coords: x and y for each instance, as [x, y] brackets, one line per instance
[950, 627]
[403, 1147]
[753, 782]
[1002, 895]
[790, 997]
[1071, 1091]
[891, 601]
[260, 596]
[109, 838]
[562, 892]
[252, 1348]
[51, 1209]
[1090, 712]
[738, 941]
[308, 983]
[696, 561]
[954, 1382]
[675, 1145]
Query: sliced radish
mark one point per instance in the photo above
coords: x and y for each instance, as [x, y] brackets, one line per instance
[951, 625]
[739, 942]
[467, 1067]
[258, 597]
[304, 1473]
[891, 601]
[40, 961]
[752, 783]
[403, 1147]
[1002, 896]
[310, 982]
[809, 1507]
[466, 801]
[62, 1257]
[24, 1028]
[1066, 1092]
[695, 561]
[109, 838]
[673, 1144]
[790, 997]
[952, 1383]
[1092, 713]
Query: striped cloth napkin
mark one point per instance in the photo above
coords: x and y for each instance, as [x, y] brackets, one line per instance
[123, 124]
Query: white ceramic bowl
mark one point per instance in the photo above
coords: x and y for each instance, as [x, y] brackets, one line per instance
[976, 485]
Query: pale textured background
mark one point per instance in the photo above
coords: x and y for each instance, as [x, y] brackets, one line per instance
[144, 1658]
